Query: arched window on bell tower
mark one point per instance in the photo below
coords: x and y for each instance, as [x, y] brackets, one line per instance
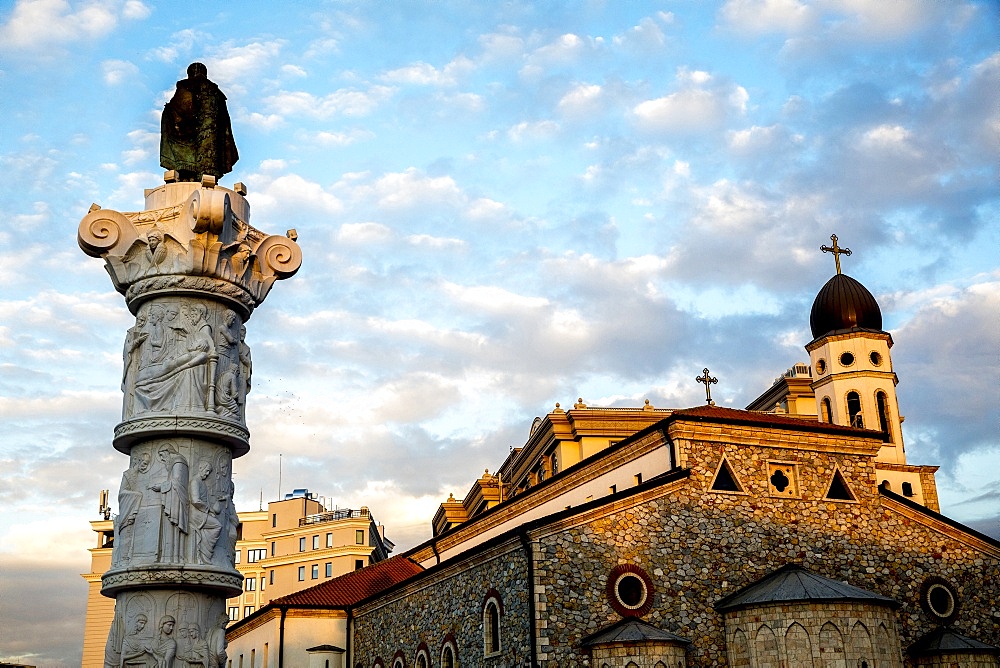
[827, 410]
[854, 410]
[882, 405]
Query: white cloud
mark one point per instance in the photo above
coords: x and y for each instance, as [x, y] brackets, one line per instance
[363, 233]
[231, 66]
[118, 71]
[533, 130]
[36, 25]
[423, 74]
[343, 102]
[410, 188]
[325, 138]
[181, 42]
[764, 16]
[435, 242]
[582, 99]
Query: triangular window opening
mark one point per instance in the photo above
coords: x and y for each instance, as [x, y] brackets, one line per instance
[725, 480]
[838, 488]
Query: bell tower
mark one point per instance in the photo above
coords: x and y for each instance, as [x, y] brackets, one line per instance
[855, 384]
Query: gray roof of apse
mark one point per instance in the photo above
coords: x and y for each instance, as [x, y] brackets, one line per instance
[631, 630]
[946, 641]
[794, 584]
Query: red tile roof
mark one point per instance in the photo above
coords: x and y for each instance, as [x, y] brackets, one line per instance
[353, 587]
[720, 414]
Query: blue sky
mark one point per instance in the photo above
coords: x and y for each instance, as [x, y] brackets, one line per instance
[501, 206]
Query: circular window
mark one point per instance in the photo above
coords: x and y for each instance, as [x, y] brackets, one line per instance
[875, 358]
[821, 366]
[939, 600]
[630, 590]
[846, 359]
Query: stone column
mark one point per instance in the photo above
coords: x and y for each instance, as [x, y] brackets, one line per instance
[192, 270]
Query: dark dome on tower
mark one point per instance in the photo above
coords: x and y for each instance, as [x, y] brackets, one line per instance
[843, 303]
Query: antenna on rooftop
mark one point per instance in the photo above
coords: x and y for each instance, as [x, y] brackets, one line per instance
[103, 508]
[261, 505]
[279, 476]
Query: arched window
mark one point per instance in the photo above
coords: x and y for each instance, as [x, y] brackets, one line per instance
[423, 659]
[449, 653]
[827, 410]
[854, 410]
[398, 663]
[491, 625]
[882, 404]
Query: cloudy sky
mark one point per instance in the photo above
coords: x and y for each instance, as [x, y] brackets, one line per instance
[501, 206]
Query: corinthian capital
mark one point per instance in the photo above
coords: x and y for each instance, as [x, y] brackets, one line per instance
[190, 236]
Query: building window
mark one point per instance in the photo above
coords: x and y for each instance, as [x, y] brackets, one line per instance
[882, 405]
[247, 611]
[492, 612]
[302, 573]
[272, 548]
[274, 520]
[316, 542]
[315, 571]
[253, 556]
[846, 359]
[250, 584]
[329, 569]
[359, 564]
[329, 540]
[302, 544]
[359, 536]
[907, 489]
[827, 411]
[262, 582]
[854, 410]
[237, 560]
[234, 613]
[629, 590]
[448, 657]
[270, 577]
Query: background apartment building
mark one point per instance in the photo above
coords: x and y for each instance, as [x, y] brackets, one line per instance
[295, 543]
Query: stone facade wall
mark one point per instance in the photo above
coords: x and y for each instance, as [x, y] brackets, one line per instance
[959, 661]
[805, 635]
[638, 655]
[450, 603]
[699, 545]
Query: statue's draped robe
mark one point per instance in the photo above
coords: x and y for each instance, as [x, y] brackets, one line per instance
[196, 135]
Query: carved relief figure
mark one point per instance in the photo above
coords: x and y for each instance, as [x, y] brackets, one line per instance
[129, 501]
[196, 136]
[228, 390]
[216, 642]
[174, 501]
[136, 650]
[239, 261]
[204, 515]
[156, 251]
[179, 374]
[165, 649]
[134, 339]
[195, 648]
[225, 490]
[246, 366]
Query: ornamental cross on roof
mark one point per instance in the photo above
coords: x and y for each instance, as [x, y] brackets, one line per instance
[836, 250]
[707, 380]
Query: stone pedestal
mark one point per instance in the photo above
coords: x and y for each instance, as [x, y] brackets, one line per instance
[192, 270]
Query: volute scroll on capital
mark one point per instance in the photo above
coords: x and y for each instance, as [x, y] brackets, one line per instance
[191, 236]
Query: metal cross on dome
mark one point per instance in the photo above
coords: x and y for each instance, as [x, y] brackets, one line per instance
[836, 250]
[707, 379]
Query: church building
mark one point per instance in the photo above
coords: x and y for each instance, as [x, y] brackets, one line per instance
[794, 533]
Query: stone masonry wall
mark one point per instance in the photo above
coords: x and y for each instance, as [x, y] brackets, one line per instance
[451, 603]
[699, 545]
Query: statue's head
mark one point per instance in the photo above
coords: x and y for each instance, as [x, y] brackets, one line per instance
[167, 625]
[197, 71]
[140, 622]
